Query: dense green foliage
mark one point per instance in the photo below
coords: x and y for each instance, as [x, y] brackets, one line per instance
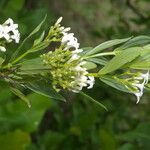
[78, 123]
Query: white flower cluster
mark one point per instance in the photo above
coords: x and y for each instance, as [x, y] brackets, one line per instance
[70, 42]
[9, 32]
[140, 83]
[81, 79]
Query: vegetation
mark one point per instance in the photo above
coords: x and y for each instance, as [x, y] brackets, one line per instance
[77, 123]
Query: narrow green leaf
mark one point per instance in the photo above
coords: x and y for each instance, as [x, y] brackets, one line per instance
[44, 88]
[100, 61]
[109, 80]
[1, 60]
[29, 36]
[143, 65]
[137, 41]
[39, 47]
[86, 50]
[143, 61]
[20, 95]
[89, 65]
[106, 45]
[33, 66]
[93, 100]
[121, 59]
[40, 39]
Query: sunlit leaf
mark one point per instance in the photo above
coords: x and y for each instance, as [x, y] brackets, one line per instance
[136, 41]
[106, 45]
[121, 59]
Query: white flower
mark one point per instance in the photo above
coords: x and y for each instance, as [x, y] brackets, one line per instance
[3, 49]
[16, 36]
[91, 82]
[140, 83]
[5, 34]
[70, 41]
[74, 75]
[81, 79]
[146, 77]
[138, 95]
[9, 31]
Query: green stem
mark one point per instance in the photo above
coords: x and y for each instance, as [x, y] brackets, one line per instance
[16, 60]
[100, 54]
[93, 74]
[20, 57]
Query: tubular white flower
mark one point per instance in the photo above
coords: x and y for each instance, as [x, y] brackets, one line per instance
[138, 96]
[146, 77]
[139, 84]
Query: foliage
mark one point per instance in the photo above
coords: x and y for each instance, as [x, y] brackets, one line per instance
[79, 124]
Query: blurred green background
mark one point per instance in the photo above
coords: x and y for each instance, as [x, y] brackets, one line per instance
[77, 124]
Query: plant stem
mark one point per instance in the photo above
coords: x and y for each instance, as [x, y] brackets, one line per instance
[20, 57]
[16, 60]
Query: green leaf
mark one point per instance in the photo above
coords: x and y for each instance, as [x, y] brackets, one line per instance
[100, 61]
[16, 140]
[143, 61]
[106, 45]
[40, 39]
[29, 36]
[121, 59]
[137, 41]
[39, 47]
[143, 65]
[93, 100]
[33, 66]
[89, 65]
[86, 50]
[20, 95]
[109, 80]
[1, 60]
[44, 88]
